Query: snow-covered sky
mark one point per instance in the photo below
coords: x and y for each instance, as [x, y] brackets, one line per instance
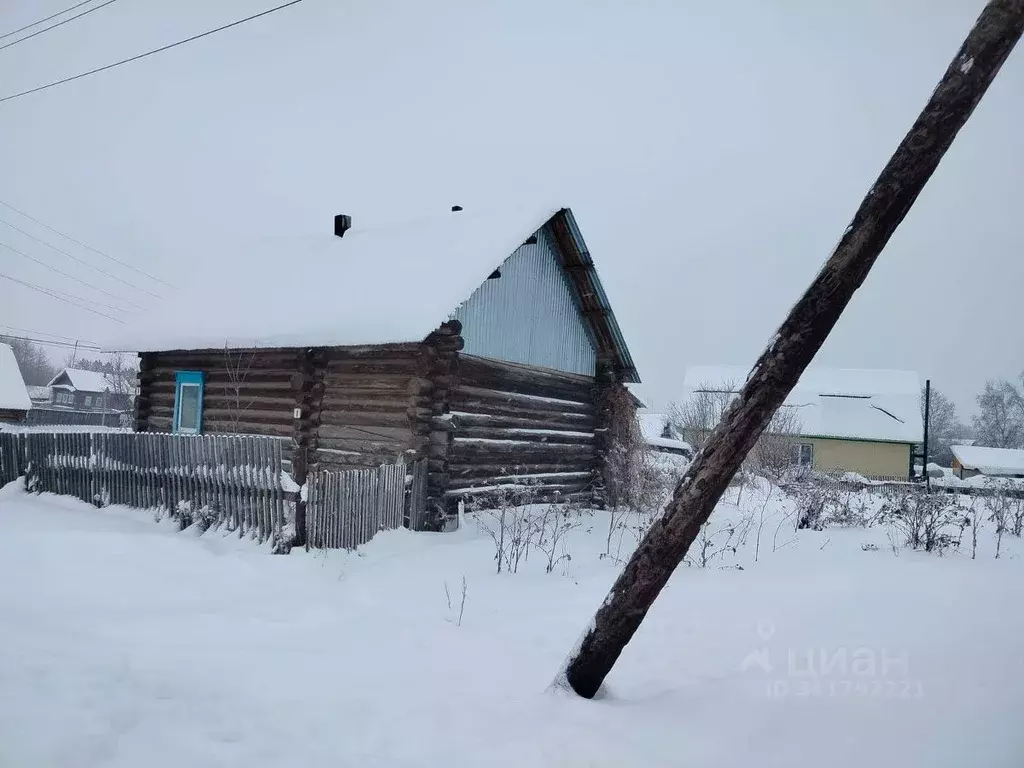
[712, 152]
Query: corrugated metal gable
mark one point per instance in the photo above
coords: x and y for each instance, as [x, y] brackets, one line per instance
[529, 315]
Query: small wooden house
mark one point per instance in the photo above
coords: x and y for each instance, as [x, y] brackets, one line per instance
[483, 343]
[14, 399]
[81, 390]
[972, 460]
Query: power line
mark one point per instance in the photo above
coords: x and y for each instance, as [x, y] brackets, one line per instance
[42, 333]
[148, 53]
[54, 26]
[61, 297]
[66, 344]
[87, 247]
[71, 277]
[80, 261]
[35, 23]
[72, 296]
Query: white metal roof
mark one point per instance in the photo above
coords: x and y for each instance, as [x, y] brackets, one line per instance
[990, 461]
[13, 394]
[375, 285]
[848, 403]
[85, 381]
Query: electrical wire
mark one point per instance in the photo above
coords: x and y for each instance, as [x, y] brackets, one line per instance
[35, 23]
[41, 333]
[80, 261]
[80, 298]
[66, 236]
[54, 26]
[65, 344]
[148, 53]
[67, 298]
[71, 277]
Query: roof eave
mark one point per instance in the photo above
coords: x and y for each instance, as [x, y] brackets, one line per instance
[593, 304]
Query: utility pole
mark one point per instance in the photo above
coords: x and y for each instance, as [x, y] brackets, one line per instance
[793, 346]
[927, 418]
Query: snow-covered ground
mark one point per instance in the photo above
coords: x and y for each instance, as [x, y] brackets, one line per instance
[127, 643]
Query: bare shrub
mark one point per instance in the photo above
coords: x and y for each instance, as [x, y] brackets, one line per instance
[556, 521]
[454, 618]
[712, 542]
[506, 517]
[1017, 517]
[516, 525]
[635, 485]
[760, 520]
[924, 520]
[1001, 508]
[973, 520]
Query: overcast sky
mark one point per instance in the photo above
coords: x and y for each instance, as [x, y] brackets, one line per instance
[712, 153]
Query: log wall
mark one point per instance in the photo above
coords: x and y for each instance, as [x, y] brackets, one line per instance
[519, 425]
[374, 400]
[246, 391]
[480, 423]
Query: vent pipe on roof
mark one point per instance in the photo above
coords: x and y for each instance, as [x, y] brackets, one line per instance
[342, 224]
[456, 208]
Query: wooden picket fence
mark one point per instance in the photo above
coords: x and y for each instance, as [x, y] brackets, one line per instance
[12, 456]
[232, 481]
[346, 509]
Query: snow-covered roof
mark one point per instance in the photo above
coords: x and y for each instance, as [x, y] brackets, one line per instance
[990, 461]
[39, 393]
[85, 381]
[375, 285]
[850, 403]
[653, 427]
[13, 395]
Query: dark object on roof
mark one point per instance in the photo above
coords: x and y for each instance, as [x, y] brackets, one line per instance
[342, 224]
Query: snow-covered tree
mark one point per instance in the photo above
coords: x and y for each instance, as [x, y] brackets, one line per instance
[944, 428]
[1000, 419]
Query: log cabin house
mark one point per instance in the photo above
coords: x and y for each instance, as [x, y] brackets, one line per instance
[483, 343]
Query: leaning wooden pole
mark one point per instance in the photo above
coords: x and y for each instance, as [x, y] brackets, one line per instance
[794, 345]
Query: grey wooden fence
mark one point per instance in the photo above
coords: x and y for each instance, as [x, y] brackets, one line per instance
[346, 509]
[12, 456]
[228, 480]
[417, 508]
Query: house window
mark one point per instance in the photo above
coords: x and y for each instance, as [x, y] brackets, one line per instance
[803, 455]
[63, 398]
[188, 402]
[88, 401]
